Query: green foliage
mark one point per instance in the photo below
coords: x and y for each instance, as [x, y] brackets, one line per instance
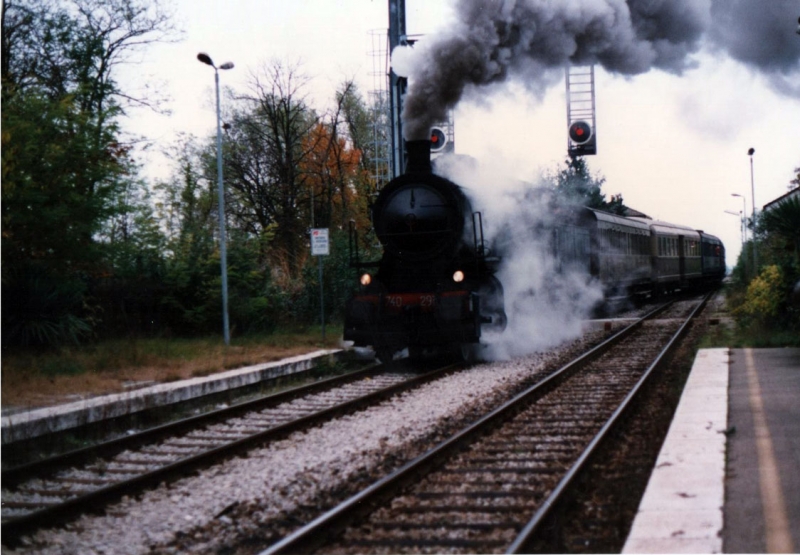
[66, 172]
[781, 224]
[338, 278]
[90, 251]
[575, 186]
[763, 306]
[764, 296]
[42, 308]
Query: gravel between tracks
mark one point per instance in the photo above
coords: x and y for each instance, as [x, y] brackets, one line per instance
[246, 500]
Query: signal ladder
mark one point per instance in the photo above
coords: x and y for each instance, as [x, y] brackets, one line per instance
[581, 122]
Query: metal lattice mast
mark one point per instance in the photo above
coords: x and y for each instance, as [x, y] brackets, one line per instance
[581, 118]
[379, 105]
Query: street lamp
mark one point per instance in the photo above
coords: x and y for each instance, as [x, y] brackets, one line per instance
[206, 59]
[739, 215]
[750, 153]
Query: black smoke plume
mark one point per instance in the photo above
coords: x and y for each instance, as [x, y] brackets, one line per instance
[531, 39]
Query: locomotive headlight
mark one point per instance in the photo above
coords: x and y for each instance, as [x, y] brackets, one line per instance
[458, 276]
[366, 279]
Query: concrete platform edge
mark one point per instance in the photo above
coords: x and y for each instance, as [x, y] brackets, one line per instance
[37, 422]
[682, 508]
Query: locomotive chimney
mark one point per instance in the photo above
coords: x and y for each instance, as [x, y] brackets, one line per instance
[419, 156]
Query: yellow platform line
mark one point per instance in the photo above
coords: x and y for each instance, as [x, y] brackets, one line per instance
[779, 539]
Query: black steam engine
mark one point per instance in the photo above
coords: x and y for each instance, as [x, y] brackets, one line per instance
[434, 286]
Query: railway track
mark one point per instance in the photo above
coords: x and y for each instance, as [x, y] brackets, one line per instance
[57, 489]
[490, 487]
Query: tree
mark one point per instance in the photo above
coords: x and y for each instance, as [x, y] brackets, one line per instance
[575, 186]
[187, 212]
[366, 129]
[64, 162]
[330, 168]
[264, 153]
[765, 306]
[795, 183]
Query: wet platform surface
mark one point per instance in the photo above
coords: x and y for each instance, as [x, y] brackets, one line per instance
[728, 476]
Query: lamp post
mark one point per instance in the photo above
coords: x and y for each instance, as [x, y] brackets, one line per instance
[750, 153]
[739, 215]
[743, 214]
[206, 59]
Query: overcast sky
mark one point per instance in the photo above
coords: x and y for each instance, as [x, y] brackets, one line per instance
[675, 146]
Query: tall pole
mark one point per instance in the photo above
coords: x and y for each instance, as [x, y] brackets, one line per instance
[739, 215]
[319, 261]
[744, 216]
[744, 229]
[753, 193]
[397, 85]
[223, 255]
[223, 250]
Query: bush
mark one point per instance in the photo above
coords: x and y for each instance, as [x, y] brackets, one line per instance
[764, 295]
[43, 309]
[765, 307]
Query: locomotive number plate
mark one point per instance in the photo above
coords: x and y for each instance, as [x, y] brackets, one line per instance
[426, 302]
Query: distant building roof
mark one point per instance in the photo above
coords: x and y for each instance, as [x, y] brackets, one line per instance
[794, 193]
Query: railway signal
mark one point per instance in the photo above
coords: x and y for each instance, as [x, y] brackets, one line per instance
[438, 139]
[581, 120]
[580, 132]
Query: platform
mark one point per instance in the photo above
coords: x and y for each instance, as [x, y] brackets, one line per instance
[37, 422]
[726, 478]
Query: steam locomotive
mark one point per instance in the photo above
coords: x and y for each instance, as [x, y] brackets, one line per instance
[435, 287]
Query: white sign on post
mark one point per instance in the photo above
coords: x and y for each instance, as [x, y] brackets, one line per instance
[319, 242]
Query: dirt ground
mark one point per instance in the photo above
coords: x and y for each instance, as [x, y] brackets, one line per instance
[28, 390]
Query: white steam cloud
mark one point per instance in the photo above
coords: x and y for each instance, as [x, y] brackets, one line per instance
[495, 39]
[545, 304]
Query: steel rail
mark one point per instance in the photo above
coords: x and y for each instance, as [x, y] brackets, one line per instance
[528, 532]
[315, 533]
[14, 528]
[11, 477]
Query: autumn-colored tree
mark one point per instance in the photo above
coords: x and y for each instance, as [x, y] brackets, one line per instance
[331, 168]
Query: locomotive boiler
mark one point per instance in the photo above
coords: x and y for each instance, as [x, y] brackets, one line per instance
[434, 288]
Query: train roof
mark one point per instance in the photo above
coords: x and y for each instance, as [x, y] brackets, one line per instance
[707, 237]
[606, 220]
[667, 228]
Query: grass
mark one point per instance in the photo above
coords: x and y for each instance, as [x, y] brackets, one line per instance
[733, 334]
[37, 379]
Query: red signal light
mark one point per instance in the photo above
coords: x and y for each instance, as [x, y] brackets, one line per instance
[580, 132]
[438, 139]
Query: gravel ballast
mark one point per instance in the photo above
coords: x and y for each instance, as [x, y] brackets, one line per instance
[246, 503]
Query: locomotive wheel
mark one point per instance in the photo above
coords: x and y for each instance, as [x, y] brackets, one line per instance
[415, 352]
[493, 305]
[463, 352]
[384, 354]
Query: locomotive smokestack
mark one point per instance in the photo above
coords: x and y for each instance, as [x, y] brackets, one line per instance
[419, 156]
